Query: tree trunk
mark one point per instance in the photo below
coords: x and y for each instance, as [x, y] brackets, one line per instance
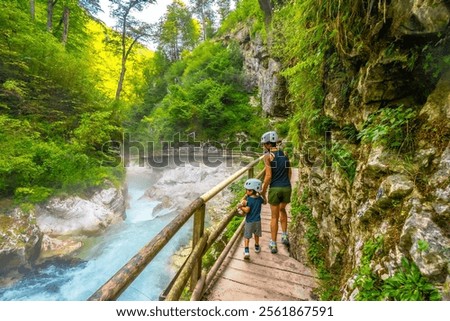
[266, 7]
[123, 70]
[126, 53]
[50, 5]
[33, 9]
[203, 23]
[65, 33]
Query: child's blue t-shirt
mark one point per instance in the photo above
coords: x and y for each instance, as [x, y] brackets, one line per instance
[255, 204]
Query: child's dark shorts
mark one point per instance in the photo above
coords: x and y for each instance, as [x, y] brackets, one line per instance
[252, 228]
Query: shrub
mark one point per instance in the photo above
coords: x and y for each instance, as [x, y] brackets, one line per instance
[391, 127]
[408, 284]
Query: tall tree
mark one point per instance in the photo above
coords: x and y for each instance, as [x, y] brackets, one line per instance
[223, 9]
[131, 30]
[267, 7]
[33, 9]
[50, 6]
[204, 11]
[65, 22]
[93, 6]
[177, 31]
[65, 9]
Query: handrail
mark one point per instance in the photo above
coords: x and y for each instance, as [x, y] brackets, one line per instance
[218, 229]
[216, 189]
[119, 282]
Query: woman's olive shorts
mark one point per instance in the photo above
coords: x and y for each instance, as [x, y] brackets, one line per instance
[279, 195]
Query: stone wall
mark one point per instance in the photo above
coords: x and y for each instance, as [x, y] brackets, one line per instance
[404, 199]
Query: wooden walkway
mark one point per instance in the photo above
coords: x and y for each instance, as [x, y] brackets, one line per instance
[266, 276]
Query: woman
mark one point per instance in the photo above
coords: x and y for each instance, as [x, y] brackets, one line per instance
[278, 180]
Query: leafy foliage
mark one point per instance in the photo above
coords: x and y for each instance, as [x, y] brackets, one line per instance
[343, 160]
[391, 127]
[177, 31]
[369, 285]
[246, 10]
[407, 284]
[33, 168]
[53, 118]
[302, 214]
[293, 43]
[206, 96]
[131, 30]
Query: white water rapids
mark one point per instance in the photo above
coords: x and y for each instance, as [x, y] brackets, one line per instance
[79, 278]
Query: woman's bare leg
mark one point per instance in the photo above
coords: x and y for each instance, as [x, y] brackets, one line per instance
[275, 210]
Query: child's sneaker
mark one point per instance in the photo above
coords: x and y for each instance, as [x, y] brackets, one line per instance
[285, 239]
[246, 253]
[273, 247]
[257, 248]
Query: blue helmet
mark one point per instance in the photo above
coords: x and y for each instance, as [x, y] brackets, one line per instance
[254, 184]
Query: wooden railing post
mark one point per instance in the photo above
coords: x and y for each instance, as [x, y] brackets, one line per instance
[251, 172]
[199, 227]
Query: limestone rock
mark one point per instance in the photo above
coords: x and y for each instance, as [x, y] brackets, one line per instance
[446, 289]
[52, 247]
[441, 204]
[418, 231]
[366, 210]
[442, 174]
[378, 161]
[77, 216]
[397, 186]
[20, 240]
[339, 200]
[383, 80]
[171, 197]
[423, 157]
[419, 17]
[262, 72]
[403, 197]
[437, 108]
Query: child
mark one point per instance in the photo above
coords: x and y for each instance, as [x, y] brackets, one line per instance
[250, 206]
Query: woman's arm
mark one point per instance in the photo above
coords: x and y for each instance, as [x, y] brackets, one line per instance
[267, 177]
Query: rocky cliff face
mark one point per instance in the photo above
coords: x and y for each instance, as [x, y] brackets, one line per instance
[401, 194]
[55, 228]
[262, 73]
[404, 199]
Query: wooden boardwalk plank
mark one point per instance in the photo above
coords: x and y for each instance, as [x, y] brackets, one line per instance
[276, 273]
[225, 290]
[266, 276]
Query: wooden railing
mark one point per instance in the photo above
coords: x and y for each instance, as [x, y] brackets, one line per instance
[201, 241]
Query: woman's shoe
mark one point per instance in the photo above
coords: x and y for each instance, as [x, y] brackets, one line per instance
[273, 247]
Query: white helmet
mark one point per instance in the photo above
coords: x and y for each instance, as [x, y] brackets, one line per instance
[269, 137]
[254, 184]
